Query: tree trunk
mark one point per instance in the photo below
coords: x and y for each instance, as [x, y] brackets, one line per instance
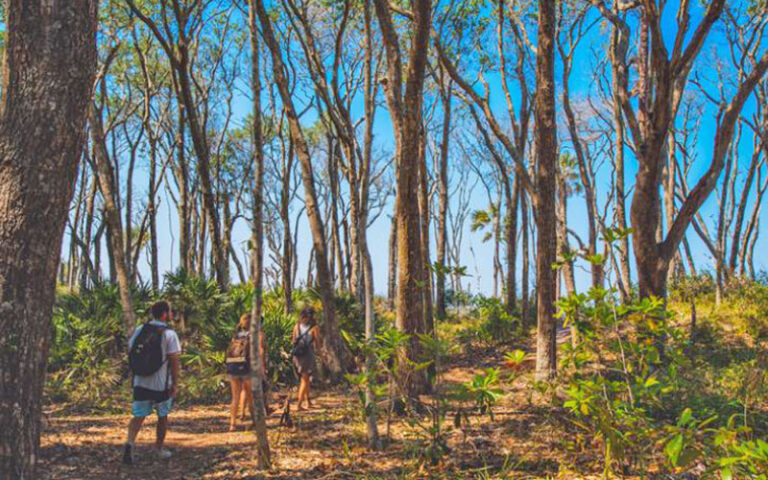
[442, 215]
[106, 177]
[524, 300]
[185, 235]
[285, 217]
[546, 187]
[424, 215]
[510, 225]
[87, 237]
[392, 283]
[333, 351]
[618, 56]
[564, 248]
[257, 250]
[405, 111]
[152, 207]
[361, 223]
[49, 65]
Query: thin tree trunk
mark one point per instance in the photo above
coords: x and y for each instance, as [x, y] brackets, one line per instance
[372, 429]
[87, 236]
[106, 176]
[510, 224]
[392, 283]
[564, 248]
[442, 215]
[182, 174]
[257, 251]
[526, 316]
[618, 54]
[546, 189]
[333, 351]
[424, 216]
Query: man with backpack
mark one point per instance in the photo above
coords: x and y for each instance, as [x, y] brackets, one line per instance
[154, 351]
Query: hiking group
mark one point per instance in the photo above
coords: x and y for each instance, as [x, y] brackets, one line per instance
[154, 360]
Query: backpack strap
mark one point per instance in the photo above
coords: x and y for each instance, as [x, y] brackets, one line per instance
[302, 335]
[161, 331]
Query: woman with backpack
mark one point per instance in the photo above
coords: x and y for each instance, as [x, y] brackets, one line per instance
[239, 369]
[305, 336]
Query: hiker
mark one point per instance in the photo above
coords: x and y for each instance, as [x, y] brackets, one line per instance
[239, 370]
[152, 347]
[305, 335]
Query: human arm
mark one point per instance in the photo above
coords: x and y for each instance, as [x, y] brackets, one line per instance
[173, 347]
[263, 350]
[175, 362]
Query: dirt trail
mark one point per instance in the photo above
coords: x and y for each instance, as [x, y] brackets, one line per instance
[325, 443]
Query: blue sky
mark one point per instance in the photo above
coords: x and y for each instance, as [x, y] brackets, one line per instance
[476, 254]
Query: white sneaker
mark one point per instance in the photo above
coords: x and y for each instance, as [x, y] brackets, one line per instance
[164, 454]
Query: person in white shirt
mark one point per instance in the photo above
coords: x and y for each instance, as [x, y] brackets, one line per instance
[157, 390]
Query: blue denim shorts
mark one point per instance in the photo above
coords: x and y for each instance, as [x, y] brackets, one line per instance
[143, 408]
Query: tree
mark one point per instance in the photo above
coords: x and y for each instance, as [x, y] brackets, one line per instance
[512, 144]
[404, 101]
[49, 68]
[174, 35]
[257, 248]
[334, 354]
[545, 151]
[106, 176]
[662, 77]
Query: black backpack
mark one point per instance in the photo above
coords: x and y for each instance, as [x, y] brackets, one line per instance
[146, 355]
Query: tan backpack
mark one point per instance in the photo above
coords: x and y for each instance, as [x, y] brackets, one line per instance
[238, 350]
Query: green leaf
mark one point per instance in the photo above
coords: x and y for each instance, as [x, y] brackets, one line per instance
[673, 449]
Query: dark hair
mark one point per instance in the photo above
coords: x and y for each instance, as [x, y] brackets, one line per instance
[159, 308]
[308, 314]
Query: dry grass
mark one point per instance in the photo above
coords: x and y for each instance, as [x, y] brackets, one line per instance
[525, 440]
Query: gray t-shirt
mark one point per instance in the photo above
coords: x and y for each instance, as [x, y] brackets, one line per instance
[170, 346]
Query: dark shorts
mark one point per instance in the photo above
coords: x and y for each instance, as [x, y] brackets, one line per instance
[238, 369]
[141, 394]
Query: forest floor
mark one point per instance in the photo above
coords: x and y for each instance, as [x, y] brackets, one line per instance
[524, 440]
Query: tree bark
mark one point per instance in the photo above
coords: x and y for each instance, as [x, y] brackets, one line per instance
[442, 215]
[524, 300]
[405, 110]
[392, 278]
[106, 177]
[618, 53]
[545, 145]
[257, 250]
[49, 66]
[424, 216]
[333, 352]
[178, 53]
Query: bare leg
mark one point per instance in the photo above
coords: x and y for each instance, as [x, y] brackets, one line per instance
[300, 397]
[162, 429]
[133, 429]
[244, 398]
[307, 388]
[236, 387]
[248, 395]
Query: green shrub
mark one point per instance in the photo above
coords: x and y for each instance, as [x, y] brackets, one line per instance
[88, 358]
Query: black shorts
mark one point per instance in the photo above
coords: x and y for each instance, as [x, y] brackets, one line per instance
[238, 369]
[141, 394]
